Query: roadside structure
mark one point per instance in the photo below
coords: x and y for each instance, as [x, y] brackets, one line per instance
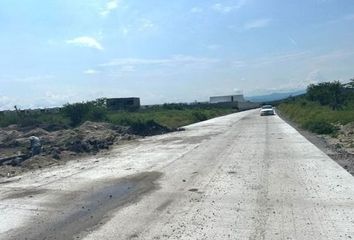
[237, 101]
[228, 98]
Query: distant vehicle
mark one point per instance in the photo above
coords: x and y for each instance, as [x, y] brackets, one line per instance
[267, 110]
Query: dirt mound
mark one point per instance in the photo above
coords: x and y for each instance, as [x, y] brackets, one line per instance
[344, 139]
[148, 128]
[39, 132]
[89, 137]
[53, 127]
[61, 144]
[6, 137]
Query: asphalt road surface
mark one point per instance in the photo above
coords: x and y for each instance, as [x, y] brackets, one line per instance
[241, 176]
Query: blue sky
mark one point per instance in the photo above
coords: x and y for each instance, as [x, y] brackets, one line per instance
[59, 51]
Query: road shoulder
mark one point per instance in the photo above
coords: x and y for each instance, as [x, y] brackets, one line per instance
[339, 155]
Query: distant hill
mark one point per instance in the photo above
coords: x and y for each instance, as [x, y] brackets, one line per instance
[274, 96]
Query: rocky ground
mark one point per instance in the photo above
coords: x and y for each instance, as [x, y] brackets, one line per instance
[342, 146]
[344, 139]
[61, 143]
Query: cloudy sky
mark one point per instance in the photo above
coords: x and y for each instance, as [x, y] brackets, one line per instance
[59, 51]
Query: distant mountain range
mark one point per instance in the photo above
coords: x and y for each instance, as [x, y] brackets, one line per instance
[274, 96]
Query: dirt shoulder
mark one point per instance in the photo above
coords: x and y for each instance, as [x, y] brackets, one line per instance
[340, 149]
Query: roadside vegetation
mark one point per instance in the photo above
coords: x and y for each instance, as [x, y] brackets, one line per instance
[171, 116]
[168, 115]
[323, 109]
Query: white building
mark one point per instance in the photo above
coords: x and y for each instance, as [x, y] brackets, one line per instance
[237, 101]
[227, 99]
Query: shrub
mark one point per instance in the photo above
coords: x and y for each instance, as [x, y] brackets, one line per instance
[8, 119]
[199, 116]
[80, 112]
[98, 114]
[327, 93]
[28, 120]
[320, 127]
[76, 112]
[174, 106]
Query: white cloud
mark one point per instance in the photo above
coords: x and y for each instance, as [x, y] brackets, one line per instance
[173, 61]
[314, 77]
[221, 8]
[7, 103]
[238, 64]
[127, 68]
[274, 59]
[27, 79]
[307, 57]
[237, 91]
[257, 23]
[85, 41]
[109, 7]
[137, 26]
[91, 72]
[145, 24]
[282, 58]
[334, 56]
[134, 61]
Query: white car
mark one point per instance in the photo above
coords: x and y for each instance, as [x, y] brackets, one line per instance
[267, 110]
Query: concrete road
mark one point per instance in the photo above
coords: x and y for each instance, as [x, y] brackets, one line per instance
[241, 176]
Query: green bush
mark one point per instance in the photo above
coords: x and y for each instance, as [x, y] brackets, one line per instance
[80, 112]
[317, 118]
[200, 116]
[98, 114]
[320, 127]
[169, 115]
[8, 119]
[28, 120]
[326, 93]
[76, 112]
[21, 119]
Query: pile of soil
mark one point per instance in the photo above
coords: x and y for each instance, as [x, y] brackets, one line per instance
[61, 143]
[58, 143]
[148, 128]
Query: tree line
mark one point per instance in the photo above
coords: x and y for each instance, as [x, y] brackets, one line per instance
[334, 94]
